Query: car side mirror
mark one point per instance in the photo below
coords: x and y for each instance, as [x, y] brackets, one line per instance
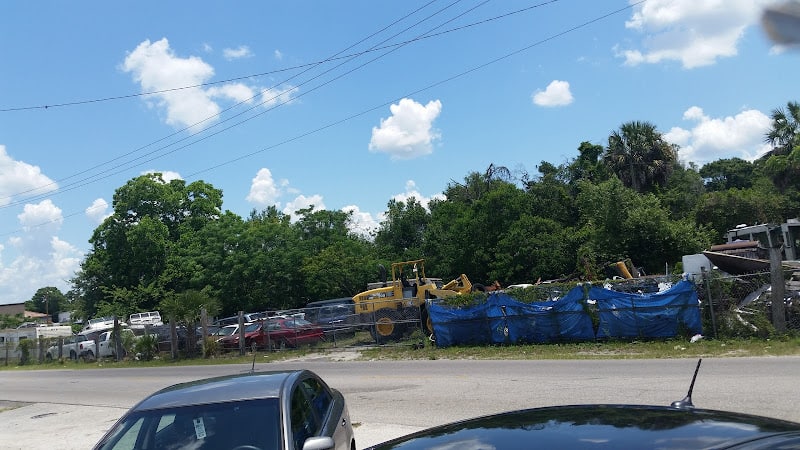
[319, 443]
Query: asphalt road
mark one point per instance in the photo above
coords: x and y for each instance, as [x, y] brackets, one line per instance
[71, 409]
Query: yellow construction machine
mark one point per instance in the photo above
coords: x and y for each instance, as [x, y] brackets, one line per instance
[395, 306]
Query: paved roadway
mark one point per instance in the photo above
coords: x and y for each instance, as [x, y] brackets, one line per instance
[71, 409]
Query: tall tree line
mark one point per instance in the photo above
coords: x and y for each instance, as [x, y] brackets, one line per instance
[169, 243]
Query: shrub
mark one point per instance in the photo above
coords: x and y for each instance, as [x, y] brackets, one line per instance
[146, 346]
[210, 347]
[24, 348]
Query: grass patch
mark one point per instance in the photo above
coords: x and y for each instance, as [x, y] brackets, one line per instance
[407, 350]
[677, 348]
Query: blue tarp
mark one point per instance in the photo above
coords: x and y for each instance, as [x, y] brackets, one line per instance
[504, 320]
[624, 315]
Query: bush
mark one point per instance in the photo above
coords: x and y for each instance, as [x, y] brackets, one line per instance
[210, 347]
[146, 346]
[24, 348]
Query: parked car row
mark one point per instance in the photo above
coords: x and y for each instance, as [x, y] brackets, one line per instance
[270, 334]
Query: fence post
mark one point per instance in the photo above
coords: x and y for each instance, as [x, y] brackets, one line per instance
[241, 332]
[707, 282]
[778, 289]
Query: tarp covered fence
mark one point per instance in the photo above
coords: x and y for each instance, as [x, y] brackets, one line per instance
[504, 320]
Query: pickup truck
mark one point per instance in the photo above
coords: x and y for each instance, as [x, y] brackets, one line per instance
[107, 346]
[75, 346]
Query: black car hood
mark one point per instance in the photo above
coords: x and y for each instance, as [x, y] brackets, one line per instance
[606, 427]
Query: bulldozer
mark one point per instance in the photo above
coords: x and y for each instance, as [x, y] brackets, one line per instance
[397, 305]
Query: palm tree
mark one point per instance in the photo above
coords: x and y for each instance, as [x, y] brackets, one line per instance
[785, 132]
[639, 156]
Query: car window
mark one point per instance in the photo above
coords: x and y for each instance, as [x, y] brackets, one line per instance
[296, 323]
[246, 424]
[252, 327]
[318, 395]
[305, 422]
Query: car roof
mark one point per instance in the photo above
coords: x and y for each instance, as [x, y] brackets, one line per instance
[250, 386]
[615, 426]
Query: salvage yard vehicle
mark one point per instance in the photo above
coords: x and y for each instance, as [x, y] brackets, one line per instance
[293, 332]
[274, 334]
[284, 410]
[74, 347]
[396, 304]
[336, 316]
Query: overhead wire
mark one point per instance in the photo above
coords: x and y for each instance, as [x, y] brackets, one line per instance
[409, 94]
[129, 164]
[271, 72]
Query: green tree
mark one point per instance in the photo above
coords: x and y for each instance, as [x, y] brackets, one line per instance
[343, 269]
[724, 210]
[550, 196]
[639, 156]
[48, 300]
[588, 166]
[682, 192]
[619, 223]
[463, 233]
[534, 248]
[784, 134]
[400, 235]
[729, 173]
[131, 248]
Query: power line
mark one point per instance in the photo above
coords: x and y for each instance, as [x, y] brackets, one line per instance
[336, 57]
[130, 163]
[408, 94]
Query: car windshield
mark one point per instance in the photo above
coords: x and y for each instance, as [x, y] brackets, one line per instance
[240, 424]
[296, 323]
[226, 331]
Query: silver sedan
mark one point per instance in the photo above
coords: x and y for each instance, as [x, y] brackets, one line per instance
[290, 410]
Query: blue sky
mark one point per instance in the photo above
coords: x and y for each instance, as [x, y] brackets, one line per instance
[345, 105]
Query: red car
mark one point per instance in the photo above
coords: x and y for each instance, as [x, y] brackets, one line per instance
[281, 333]
[293, 332]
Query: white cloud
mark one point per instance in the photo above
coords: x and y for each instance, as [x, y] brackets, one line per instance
[156, 68]
[362, 223]
[98, 211]
[694, 32]
[264, 190]
[557, 93]
[237, 53]
[278, 95]
[408, 133]
[53, 264]
[302, 202]
[41, 218]
[278, 55]
[237, 92]
[40, 257]
[710, 138]
[20, 179]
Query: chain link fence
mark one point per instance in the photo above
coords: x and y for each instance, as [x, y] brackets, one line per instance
[741, 305]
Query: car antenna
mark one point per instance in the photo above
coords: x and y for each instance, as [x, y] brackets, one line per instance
[686, 403]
